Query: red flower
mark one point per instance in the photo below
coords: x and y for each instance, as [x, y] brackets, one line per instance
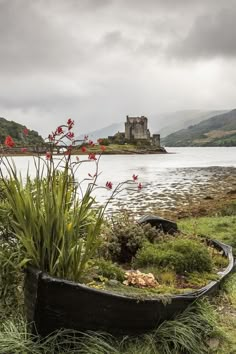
[109, 185]
[70, 135]
[9, 141]
[91, 143]
[26, 131]
[100, 141]
[23, 149]
[92, 156]
[59, 130]
[135, 177]
[48, 155]
[103, 148]
[83, 149]
[140, 186]
[86, 137]
[70, 123]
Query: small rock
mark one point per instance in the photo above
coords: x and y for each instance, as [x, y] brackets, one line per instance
[213, 343]
[208, 197]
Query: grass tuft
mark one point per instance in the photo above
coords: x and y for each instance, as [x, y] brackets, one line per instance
[187, 333]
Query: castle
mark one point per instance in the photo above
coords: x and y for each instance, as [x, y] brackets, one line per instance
[136, 129]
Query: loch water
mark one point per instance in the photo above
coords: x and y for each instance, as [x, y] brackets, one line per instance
[166, 178]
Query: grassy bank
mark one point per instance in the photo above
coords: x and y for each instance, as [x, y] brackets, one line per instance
[207, 327]
[111, 149]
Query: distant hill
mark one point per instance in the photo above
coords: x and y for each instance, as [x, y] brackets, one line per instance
[15, 130]
[104, 132]
[219, 130]
[167, 123]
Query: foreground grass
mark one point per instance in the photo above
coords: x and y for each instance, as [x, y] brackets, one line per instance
[188, 333]
[226, 308]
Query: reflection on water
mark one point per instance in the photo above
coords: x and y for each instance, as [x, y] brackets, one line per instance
[168, 179]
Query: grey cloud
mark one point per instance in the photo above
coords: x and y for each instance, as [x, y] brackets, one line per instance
[116, 41]
[102, 59]
[30, 40]
[212, 35]
[84, 5]
[112, 38]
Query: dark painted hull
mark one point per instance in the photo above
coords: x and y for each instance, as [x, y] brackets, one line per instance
[53, 303]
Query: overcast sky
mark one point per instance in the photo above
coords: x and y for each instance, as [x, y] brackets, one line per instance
[98, 60]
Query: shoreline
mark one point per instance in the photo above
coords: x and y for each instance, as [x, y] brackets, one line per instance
[98, 152]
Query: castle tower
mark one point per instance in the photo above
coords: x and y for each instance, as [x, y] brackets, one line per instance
[136, 128]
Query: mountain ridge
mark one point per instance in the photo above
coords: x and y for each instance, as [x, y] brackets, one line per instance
[219, 130]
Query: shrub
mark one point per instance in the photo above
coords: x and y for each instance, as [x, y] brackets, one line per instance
[105, 141]
[109, 270]
[125, 237]
[179, 255]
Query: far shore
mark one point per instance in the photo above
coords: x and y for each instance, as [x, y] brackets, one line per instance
[90, 150]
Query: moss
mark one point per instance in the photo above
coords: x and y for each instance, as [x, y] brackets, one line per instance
[181, 255]
[219, 261]
[199, 280]
[162, 292]
[109, 270]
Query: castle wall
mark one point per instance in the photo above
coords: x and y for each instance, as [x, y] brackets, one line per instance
[156, 141]
[136, 128]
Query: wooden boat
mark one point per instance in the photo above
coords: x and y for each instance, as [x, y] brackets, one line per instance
[53, 303]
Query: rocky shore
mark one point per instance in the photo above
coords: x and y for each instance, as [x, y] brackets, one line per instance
[187, 192]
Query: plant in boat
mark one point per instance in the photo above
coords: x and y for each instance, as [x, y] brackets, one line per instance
[55, 217]
[126, 236]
